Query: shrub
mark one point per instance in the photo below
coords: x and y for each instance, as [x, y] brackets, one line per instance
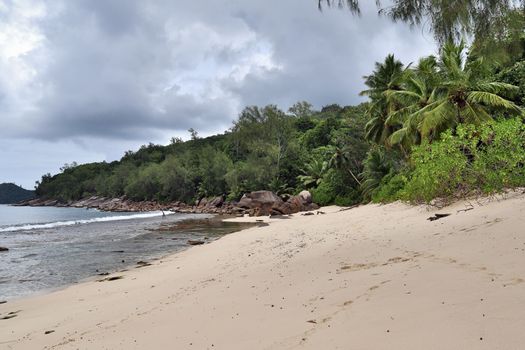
[324, 194]
[333, 189]
[379, 166]
[391, 188]
[475, 159]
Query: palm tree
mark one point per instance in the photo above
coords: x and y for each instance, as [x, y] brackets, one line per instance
[342, 159]
[387, 76]
[463, 94]
[313, 173]
[439, 94]
[418, 91]
[376, 167]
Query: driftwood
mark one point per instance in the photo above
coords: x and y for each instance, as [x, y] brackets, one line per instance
[466, 209]
[437, 217]
[350, 207]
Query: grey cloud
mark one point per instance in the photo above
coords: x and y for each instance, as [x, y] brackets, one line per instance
[134, 71]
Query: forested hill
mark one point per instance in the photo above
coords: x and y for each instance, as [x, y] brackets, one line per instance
[11, 193]
[266, 148]
[441, 127]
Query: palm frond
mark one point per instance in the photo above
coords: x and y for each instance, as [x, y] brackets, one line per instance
[498, 88]
[399, 136]
[437, 119]
[474, 114]
[492, 100]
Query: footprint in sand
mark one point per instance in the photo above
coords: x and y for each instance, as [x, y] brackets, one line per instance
[514, 282]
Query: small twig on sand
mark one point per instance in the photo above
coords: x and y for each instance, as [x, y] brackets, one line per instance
[350, 207]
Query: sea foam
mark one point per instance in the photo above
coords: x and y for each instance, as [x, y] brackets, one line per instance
[27, 227]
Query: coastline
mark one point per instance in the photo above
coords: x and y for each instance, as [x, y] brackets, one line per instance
[365, 277]
[38, 260]
[258, 203]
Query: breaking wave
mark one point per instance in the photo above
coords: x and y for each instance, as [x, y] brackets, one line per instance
[27, 227]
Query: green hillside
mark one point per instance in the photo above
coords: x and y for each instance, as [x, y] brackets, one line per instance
[11, 193]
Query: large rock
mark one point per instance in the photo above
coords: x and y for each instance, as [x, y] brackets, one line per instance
[215, 202]
[260, 203]
[263, 203]
[306, 197]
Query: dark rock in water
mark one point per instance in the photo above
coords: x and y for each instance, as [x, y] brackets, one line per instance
[117, 251]
[142, 264]
[195, 242]
[4, 249]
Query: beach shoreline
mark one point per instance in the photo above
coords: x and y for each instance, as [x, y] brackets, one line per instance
[373, 277]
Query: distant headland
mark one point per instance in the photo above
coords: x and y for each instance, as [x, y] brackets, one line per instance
[11, 193]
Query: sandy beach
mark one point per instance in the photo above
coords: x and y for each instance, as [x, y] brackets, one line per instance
[372, 277]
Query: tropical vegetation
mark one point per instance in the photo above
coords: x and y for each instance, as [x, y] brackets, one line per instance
[445, 126]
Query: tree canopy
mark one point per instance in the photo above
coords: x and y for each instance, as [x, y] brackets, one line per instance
[447, 19]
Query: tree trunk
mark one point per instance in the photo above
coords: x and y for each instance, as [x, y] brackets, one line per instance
[355, 178]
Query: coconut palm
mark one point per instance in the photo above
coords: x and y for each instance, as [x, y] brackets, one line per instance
[463, 94]
[418, 91]
[387, 76]
[313, 173]
[439, 94]
[376, 167]
[342, 159]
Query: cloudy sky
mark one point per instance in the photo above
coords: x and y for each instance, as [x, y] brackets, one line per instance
[84, 80]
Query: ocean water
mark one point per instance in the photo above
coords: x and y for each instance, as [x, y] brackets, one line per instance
[54, 247]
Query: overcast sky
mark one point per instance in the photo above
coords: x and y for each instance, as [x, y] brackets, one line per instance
[84, 80]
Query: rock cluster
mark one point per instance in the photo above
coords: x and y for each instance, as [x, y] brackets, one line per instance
[262, 203]
[259, 203]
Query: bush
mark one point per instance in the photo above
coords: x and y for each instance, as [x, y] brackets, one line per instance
[334, 189]
[379, 166]
[476, 159]
[391, 188]
[324, 194]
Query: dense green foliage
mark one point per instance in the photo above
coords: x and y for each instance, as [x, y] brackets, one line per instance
[471, 160]
[445, 126]
[436, 130]
[266, 148]
[11, 193]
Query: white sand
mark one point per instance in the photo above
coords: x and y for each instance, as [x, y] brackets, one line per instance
[374, 277]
